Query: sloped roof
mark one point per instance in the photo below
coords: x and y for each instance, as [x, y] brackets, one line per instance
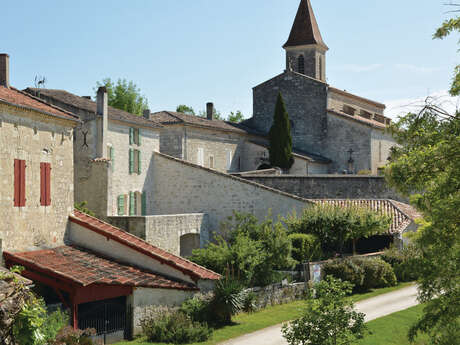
[125, 238]
[85, 268]
[401, 214]
[91, 106]
[22, 99]
[305, 29]
[314, 158]
[172, 118]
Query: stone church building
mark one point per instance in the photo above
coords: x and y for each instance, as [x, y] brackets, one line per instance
[347, 129]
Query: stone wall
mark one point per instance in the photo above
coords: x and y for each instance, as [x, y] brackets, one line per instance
[166, 231]
[278, 294]
[381, 144]
[35, 138]
[182, 187]
[172, 141]
[330, 186]
[306, 101]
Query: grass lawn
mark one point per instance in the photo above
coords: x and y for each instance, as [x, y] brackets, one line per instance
[392, 329]
[247, 323]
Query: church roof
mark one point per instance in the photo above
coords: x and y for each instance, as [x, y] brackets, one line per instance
[305, 29]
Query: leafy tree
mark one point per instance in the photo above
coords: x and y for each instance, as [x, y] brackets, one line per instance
[445, 30]
[235, 117]
[329, 318]
[124, 95]
[182, 108]
[428, 159]
[280, 149]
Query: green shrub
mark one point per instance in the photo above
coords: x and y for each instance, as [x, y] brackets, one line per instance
[345, 270]
[363, 273]
[249, 302]
[305, 247]
[54, 323]
[403, 262]
[69, 336]
[227, 300]
[197, 308]
[174, 327]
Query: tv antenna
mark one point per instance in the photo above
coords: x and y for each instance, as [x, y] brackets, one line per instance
[39, 81]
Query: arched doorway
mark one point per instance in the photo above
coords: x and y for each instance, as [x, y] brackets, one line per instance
[188, 242]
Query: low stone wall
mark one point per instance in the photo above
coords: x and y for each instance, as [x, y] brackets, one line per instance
[329, 186]
[279, 294]
[165, 231]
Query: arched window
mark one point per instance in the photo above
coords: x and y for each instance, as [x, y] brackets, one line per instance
[301, 64]
[320, 68]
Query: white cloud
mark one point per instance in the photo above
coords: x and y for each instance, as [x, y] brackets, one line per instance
[416, 69]
[358, 68]
[441, 98]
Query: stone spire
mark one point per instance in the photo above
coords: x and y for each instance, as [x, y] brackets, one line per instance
[305, 30]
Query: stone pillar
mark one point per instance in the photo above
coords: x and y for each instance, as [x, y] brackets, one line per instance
[5, 70]
[210, 111]
[102, 122]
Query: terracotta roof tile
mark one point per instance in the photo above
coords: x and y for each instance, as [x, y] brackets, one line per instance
[401, 214]
[187, 267]
[90, 106]
[23, 99]
[172, 118]
[85, 268]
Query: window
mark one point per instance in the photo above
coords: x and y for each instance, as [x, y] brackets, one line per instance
[229, 159]
[348, 110]
[121, 205]
[301, 64]
[200, 157]
[320, 62]
[211, 162]
[365, 114]
[45, 184]
[134, 136]
[111, 154]
[134, 161]
[132, 203]
[19, 183]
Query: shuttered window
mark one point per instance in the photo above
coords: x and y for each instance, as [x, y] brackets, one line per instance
[131, 161]
[131, 136]
[138, 156]
[45, 184]
[132, 204]
[134, 136]
[19, 183]
[121, 205]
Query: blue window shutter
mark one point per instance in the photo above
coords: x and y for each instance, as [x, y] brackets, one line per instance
[131, 161]
[131, 135]
[144, 204]
[131, 204]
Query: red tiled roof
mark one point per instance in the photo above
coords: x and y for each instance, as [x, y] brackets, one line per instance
[86, 268]
[401, 214]
[172, 118]
[305, 29]
[23, 99]
[187, 267]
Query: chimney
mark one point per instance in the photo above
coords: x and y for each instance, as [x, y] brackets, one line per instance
[102, 122]
[146, 114]
[210, 111]
[5, 70]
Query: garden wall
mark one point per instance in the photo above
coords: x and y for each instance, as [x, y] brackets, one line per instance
[279, 294]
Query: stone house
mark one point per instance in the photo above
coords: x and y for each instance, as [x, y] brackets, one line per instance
[347, 129]
[36, 168]
[112, 150]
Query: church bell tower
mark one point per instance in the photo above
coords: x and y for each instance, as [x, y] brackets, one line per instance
[305, 48]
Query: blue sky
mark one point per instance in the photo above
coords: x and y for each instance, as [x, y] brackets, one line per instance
[192, 52]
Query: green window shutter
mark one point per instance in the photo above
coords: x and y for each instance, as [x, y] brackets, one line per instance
[131, 204]
[131, 135]
[112, 157]
[144, 203]
[138, 162]
[121, 205]
[139, 136]
[131, 161]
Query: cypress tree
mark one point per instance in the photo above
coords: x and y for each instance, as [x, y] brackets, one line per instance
[280, 149]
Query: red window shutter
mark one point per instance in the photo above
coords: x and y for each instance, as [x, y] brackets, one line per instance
[17, 179]
[22, 196]
[48, 184]
[42, 184]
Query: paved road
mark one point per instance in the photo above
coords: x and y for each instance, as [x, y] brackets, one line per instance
[374, 308]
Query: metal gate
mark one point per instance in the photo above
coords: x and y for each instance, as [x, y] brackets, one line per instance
[107, 317]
